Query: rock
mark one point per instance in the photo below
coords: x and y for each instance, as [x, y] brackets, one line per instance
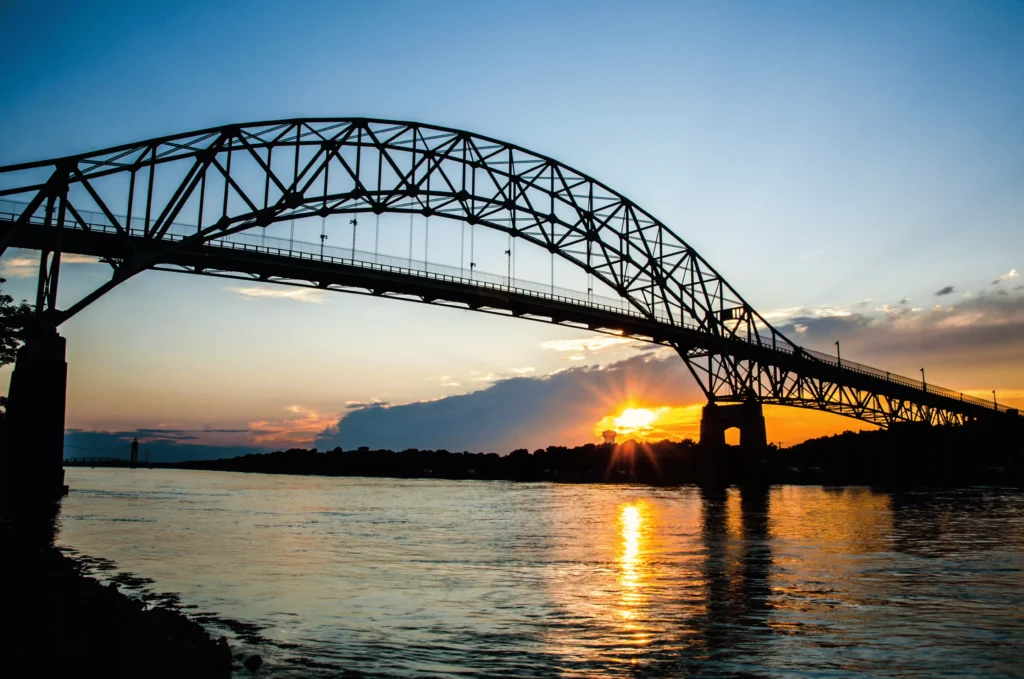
[253, 662]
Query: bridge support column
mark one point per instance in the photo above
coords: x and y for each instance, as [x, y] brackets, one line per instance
[715, 420]
[34, 455]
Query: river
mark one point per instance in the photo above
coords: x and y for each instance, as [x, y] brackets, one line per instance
[325, 577]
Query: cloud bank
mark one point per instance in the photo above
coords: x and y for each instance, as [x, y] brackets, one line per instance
[521, 412]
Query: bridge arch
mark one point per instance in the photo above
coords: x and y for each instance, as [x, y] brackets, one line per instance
[226, 180]
[169, 201]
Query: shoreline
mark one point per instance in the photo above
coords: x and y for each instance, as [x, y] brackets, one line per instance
[903, 456]
[61, 621]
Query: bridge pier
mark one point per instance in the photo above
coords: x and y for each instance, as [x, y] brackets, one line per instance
[717, 460]
[716, 419]
[34, 455]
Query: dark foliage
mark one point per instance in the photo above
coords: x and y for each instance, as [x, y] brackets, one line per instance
[903, 455]
[13, 319]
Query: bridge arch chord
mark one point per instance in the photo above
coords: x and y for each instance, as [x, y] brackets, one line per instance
[230, 179]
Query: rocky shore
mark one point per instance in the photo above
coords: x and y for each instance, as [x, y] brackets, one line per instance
[58, 621]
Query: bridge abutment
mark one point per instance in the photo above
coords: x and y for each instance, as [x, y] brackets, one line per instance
[34, 456]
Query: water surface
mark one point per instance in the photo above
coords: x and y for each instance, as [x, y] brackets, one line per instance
[430, 578]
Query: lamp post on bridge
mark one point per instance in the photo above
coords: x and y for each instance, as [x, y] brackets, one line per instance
[839, 360]
[508, 253]
[924, 385]
[354, 222]
[995, 404]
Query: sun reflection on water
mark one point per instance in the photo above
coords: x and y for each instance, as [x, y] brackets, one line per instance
[632, 520]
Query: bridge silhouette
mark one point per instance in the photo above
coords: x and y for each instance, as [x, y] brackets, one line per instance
[202, 203]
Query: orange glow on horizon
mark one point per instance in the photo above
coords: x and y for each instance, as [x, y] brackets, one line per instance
[653, 423]
[786, 425]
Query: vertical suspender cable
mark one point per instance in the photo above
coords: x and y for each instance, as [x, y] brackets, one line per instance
[410, 240]
[376, 240]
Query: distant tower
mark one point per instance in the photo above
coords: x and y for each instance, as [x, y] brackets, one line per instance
[135, 453]
[609, 435]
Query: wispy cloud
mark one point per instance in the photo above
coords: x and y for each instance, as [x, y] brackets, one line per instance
[26, 266]
[372, 403]
[591, 344]
[310, 295]
[1006, 276]
[825, 311]
[478, 376]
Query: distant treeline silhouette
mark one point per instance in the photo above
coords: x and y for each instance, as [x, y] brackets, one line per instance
[905, 454]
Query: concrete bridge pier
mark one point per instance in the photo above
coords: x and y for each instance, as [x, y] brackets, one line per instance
[718, 418]
[34, 455]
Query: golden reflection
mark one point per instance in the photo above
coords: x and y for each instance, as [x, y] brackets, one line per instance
[632, 520]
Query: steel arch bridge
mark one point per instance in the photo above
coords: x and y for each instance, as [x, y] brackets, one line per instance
[190, 202]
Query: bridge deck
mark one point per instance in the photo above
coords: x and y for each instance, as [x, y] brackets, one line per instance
[256, 257]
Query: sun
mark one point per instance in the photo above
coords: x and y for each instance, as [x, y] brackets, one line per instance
[633, 420]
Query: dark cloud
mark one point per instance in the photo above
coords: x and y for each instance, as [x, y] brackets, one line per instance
[948, 290]
[520, 412]
[163, 445]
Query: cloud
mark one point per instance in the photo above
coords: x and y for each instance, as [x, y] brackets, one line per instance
[591, 344]
[948, 290]
[372, 403]
[497, 377]
[981, 330]
[310, 295]
[1005, 277]
[777, 316]
[27, 265]
[298, 428]
[561, 408]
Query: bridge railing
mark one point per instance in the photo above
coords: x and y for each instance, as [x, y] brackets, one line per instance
[905, 381]
[261, 243]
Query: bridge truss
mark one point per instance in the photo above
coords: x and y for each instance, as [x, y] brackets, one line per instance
[186, 203]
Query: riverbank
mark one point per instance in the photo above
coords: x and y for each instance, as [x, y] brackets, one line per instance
[58, 621]
[900, 456]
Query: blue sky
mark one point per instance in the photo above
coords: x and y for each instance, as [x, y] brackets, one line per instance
[818, 154]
